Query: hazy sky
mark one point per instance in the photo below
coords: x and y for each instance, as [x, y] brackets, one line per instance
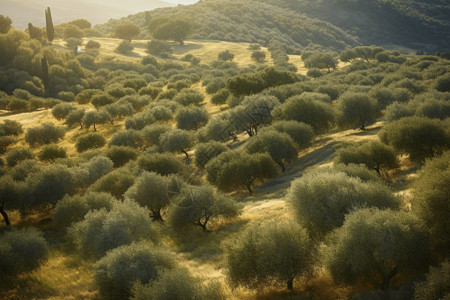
[181, 1]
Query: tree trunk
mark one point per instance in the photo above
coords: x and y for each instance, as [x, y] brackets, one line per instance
[185, 153]
[95, 129]
[249, 189]
[387, 279]
[290, 284]
[281, 166]
[4, 214]
[156, 215]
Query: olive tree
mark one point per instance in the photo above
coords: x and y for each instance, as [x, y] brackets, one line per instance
[204, 152]
[151, 191]
[321, 199]
[22, 250]
[177, 283]
[436, 285]
[120, 155]
[177, 140]
[191, 118]
[61, 110]
[300, 132]
[161, 163]
[126, 31]
[232, 169]
[320, 115]
[44, 134]
[117, 272]
[374, 154]
[432, 192]
[130, 138]
[356, 110]
[198, 205]
[270, 252]
[377, 245]
[102, 230]
[153, 132]
[52, 152]
[75, 117]
[116, 183]
[419, 137]
[72, 209]
[254, 111]
[90, 141]
[279, 146]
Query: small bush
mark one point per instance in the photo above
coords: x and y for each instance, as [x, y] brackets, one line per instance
[92, 45]
[14, 156]
[130, 138]
[177, 284]
[90, 141]
[21, 251]
[44, 134]
[124, 47]
[164, 164]
[51, 153]
[60, 111]
[10, 127]
[120, 155]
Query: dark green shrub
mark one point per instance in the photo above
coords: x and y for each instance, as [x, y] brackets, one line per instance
[124, 47]
[44, 134]
[204, 152]
[13, 156]
[130, 138]
[418, 137]
[116, 183]
[60, 111]
[51, 153]
[164, 164]
[90, 141]
[191, 118]
[21, 251]
[10, 127]
[120, 155]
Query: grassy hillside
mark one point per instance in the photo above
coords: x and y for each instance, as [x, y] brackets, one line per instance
[130, 95]
[335, 25]
[418, 25]
[252, 22]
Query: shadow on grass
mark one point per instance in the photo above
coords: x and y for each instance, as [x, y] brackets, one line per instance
[178, 49]
[206, 246]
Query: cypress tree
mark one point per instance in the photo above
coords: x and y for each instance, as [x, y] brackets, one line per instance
[49, 25]
[45, 75]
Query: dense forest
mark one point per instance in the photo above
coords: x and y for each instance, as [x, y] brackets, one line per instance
[225, 150]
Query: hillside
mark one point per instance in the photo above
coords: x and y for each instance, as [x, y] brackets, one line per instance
[419, 25]
[335, 25]
[97, 12]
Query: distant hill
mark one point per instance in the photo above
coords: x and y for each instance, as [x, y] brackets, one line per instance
[416, 24]
[249, 21]
[98, 11]
[333, 24]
